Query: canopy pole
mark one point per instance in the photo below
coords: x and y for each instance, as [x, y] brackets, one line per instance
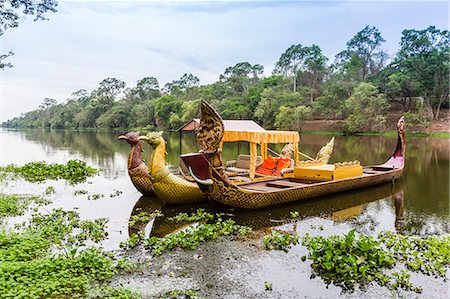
[295, 153]
[305, 155]
[253, 153]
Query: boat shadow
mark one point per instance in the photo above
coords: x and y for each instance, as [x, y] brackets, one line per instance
[337, 207]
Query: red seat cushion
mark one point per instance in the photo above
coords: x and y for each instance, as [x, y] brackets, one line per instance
[281, 164]
[267, 167]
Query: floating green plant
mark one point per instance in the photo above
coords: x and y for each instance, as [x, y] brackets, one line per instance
[268, 286]
[194, 236]
[80, 192]
[200, 214]
[50, 190]
[74, 171]
[15, 204]
[279, 241]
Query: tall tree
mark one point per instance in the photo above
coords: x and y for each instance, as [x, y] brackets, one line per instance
[110, 87]
[424, 58]
[364, 55]
[186, 82]
[11, 12]
[315, 67]
[242, 75]
[290, 62]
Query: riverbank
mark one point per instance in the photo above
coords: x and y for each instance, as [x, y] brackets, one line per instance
[439, 127]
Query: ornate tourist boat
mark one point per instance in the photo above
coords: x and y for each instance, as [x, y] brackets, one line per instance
[307, 181]
[156, 179]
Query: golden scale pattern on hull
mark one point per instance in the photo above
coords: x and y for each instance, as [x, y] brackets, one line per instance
[237, 197]
[140, 178]
[170, 188]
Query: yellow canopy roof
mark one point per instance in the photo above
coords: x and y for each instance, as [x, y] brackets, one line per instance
[261, 136]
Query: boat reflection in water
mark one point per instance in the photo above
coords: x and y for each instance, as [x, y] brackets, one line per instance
[338, 208]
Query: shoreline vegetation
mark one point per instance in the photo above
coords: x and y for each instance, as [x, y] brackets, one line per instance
[362, 90]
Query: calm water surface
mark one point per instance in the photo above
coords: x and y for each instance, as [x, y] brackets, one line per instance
[416, 204]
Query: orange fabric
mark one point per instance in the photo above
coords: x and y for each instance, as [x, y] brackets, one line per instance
[281, 164]
[267, 167]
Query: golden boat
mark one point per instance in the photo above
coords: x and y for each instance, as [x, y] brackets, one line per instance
[307, 181]
[172, 189]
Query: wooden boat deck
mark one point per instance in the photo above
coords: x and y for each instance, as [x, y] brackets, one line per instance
[288, 183]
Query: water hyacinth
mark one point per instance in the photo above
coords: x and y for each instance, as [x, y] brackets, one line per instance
[74, 171]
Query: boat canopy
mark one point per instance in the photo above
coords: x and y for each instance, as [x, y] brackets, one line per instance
[263, 138]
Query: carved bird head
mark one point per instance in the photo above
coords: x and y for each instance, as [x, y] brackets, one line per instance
[131, 137]
[153, 138]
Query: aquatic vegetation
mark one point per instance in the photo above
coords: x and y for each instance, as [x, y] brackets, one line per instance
[133, 241]
[48, 258]
[74, 171]
[50, 190]
[15, 204]
[429, 255]
[268, 286]
[357, 259]
[12, 205]
[80, 192]
[115, 193]
[95, 196]
[350, 259]
[279, 241]
[294, 214]
[200, 214]
[194, 236]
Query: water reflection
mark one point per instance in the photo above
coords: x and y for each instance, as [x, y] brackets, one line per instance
[338, 208]
[399, 203]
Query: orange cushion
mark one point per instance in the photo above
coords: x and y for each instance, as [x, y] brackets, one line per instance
[281, 164]
[267, 167]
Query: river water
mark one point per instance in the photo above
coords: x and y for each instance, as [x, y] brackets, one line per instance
[418, 203]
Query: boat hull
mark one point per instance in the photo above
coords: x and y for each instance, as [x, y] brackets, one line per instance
[244, 197]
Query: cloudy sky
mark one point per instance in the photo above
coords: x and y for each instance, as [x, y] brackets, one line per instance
[87, 41]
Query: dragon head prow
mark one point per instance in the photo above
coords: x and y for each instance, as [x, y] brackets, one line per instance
[131, 137]
[153, 138]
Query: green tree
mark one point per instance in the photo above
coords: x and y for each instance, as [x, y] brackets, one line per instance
[146, 88]
[110, 87]
[271, 100]
[366, 109]
[290, 62]
[289, 118]
[423, 59]
[364, 55]
[331, 102]
[242, 75]
[420, 117]
[186, 82]
[314, 69]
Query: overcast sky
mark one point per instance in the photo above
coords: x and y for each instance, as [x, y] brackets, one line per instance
[87, 41]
